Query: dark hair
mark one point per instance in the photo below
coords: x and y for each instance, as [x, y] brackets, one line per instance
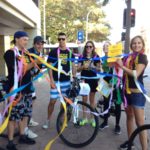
[140, 37]
[93, 52]
[61, 33]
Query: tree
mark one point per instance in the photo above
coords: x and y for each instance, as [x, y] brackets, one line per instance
[69, 16]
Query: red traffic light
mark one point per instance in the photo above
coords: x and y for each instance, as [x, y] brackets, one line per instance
[132, 13]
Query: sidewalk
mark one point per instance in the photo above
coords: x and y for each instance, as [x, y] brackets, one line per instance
[105, 140]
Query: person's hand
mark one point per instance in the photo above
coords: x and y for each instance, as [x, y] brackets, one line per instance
[37, 61]
[86, 64]
[53, 85]
[119, 63]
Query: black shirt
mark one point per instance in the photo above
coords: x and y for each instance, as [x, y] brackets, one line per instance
[9, 57]
[53, 58]
[89, 72]
[141, 60]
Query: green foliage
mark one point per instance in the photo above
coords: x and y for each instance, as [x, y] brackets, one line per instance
[69, 16]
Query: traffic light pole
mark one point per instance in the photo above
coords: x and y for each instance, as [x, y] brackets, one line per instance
[128, 26]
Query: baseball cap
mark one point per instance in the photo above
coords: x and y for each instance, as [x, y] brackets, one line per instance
[38, 39]
[19, 34]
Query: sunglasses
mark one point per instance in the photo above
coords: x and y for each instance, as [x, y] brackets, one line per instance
[39, 43]
[89, 46]
[61, 39]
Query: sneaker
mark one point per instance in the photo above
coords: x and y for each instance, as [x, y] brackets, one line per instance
[30, 133]
[103, 126]
[46, 125]
[92, 122]
[124, 146]
[117, 129]
[11, 146]
[83, 122]
[33, 123]
[24, 139]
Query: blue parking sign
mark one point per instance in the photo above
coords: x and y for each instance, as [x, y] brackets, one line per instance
[80, 35]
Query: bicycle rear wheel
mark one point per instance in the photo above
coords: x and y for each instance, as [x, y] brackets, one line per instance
[74, 134]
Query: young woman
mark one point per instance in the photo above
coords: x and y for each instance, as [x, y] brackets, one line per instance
[86, 67]
[107, 69]
[137, 61]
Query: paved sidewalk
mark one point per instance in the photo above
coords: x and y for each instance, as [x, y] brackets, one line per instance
[105, 140]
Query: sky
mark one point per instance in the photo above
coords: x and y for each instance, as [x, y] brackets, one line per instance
[114, 11]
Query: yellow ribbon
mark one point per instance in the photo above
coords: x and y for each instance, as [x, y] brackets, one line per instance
[48, 146]
[46, 64]
[5, 123]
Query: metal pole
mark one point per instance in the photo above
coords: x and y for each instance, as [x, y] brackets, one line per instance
[128, 26]
[44, 21]
[87, 20]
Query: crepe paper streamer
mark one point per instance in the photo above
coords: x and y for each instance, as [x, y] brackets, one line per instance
[139, 86]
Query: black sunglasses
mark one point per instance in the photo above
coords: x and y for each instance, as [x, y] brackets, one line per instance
[61, 39]
[88, 46]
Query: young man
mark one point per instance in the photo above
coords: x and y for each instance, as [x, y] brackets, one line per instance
[37, 48]
[21, 109]
[64, 80]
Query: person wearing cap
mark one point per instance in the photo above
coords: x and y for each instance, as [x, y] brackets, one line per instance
[37, 48]
[22, 103]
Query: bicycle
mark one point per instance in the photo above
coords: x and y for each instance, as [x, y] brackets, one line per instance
[75, 135]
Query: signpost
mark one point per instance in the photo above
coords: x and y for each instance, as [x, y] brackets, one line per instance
[80, 35]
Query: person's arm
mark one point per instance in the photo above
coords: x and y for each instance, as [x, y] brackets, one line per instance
[50, 72]
[98, 67]
[32, 64]
[80, 67]
[74, 70]
[139, 68]
[52, 82]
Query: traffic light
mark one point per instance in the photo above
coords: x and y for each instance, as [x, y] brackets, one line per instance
[132, 14]
[123, 36]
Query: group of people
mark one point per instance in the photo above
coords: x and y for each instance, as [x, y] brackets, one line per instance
[21, 114]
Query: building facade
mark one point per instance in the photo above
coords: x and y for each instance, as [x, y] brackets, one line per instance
[17, 15]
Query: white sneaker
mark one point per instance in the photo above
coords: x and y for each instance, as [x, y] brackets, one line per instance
[30, 133]
[46, 125]
[33, 123]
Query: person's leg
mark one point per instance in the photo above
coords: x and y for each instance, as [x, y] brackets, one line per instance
[104, 124]
[93, 105]
[92, 99]
[139, 118]
[106, 106]
[50, 108]
[118, 113]
[130, 125]
[11, 129]
[31, 121]
[84, 99]
[130, 120]
[117, 116]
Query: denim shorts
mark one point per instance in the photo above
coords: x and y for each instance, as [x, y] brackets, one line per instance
[136, 99]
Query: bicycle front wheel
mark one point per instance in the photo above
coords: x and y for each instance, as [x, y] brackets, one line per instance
[82, 126]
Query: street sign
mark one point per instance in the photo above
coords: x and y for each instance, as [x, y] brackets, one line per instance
[80, 35]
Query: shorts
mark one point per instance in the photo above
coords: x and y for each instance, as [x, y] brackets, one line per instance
[136, 99]
[64, 86]
[93, 83]
[22, 109]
